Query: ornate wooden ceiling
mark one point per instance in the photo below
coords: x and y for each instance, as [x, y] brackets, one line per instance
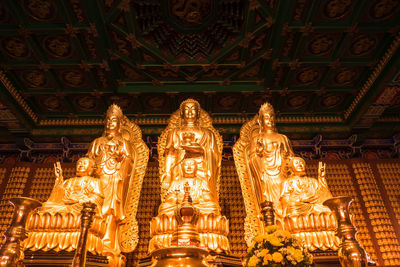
[328, 66]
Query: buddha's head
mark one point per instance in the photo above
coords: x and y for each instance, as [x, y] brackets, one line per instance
[266, 117]
[298, 166]
[190, 110]
[84, 167]
[113, 119]
[189, 168]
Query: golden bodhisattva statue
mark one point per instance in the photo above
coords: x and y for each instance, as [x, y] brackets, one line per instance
[190, 151]
[120, 158]
[262, 158]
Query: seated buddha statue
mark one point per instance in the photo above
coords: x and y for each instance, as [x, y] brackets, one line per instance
[303, 212]
[51, 227]
[190, 150]
[301, 194]
[119, 158]
[68, 195]
[200, 192]
[262, 159]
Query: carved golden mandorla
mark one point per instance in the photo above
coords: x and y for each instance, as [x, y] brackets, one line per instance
[129, 230]
[253, 225]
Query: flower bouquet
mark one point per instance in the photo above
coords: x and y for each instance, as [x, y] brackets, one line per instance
[277, 248]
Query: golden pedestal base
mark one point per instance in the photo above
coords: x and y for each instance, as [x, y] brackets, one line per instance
[60, 259]
[213, 260]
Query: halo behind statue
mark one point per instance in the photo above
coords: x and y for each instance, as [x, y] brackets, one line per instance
[253, 223]
[129, 229]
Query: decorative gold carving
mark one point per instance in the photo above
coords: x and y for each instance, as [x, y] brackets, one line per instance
[35, 78]
[16, 47]
[18, 98]
[86, 102]
[345, 76]
[191, 12]
[363, 45]
[297, 101]
[41, 9]
[307, 76]
[52, 103]
[383, 9]
[331, 101]
[190, 152]
[73, 78]
[58, 46]
[336, 9]
[321, 45]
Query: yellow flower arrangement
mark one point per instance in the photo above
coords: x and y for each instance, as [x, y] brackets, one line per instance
[277, 248]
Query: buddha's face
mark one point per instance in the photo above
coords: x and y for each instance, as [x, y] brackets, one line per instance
[189, 168]
[268, 120]
[83, 167]
[190, 112]
[112, 123]
[299, 166]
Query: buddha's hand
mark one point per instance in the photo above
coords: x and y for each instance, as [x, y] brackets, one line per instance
[165, 185]
[58, 173]
[165, 181]
[192, 147]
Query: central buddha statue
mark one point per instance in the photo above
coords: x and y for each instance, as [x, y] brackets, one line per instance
[190, 151]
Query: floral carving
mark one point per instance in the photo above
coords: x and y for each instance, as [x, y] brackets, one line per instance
[73, 78]
[41, 9]
[321, 45]
[363, 45]
[307, 76]
[15, 47]
[383, 9]
[336, 9]
[345, 76]
[331, 101]
[58, 46]
[35, 78]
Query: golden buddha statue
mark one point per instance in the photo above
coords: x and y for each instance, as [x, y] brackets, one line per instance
[120, 158]
[190, 150]
[262, 156]
[50, 227]
[304, 215]
[200, 193]
[268, 154]
[69, 195]
[304, 195]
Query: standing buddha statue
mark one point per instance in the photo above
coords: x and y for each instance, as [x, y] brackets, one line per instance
[268, 154]
[120, 157]
[190, 150]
